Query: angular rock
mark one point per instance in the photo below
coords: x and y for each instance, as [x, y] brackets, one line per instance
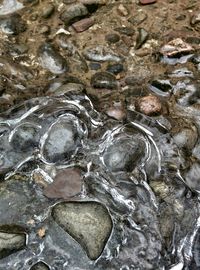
[67, 184]
[89, 223]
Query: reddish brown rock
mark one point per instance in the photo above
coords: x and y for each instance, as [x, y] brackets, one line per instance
[147, 2]
[149, 105]
[83, 24]
[67, 184]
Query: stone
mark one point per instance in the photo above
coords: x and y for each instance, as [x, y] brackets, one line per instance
[176, 46]
[122, 10]
[147, 2]
[11, 242]
[83, 24]
[51, 59]
[62, 141]
[123, 155]
[149, 105]
[12, 25]
[25, 138]
[89, 223]
[142, 37]
[115, 68]
[73, 12]
[138, 18]
[47, 11]
[112, 38]
[67, 184]
[128, 31]
[103, 80]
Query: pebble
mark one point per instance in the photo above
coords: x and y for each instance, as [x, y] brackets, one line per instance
[95, 66]
[66, 88]
[112, 38]
[51, 59]
[138, 18]
[101, 54]
[149, 105]
[175, 47]
[67, 184]
[122, 10]
[142, 37]
[47, 11]
[12, 25]
[11, 242]
[128, 31]
[147, 2]
[83, 24]
[73, 12]
[116, 111]
[89, 223]
[115, 68]
[103, 80]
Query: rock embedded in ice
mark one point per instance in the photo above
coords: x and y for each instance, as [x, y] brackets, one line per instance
[89, 223]
[123, 155]
[62, 141]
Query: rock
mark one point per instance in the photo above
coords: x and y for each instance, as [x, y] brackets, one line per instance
[95, 66]
[66, 88]
[142, 37]
[122, 10]
[138, 18]
[147, 2]
[50, 59]
[73, 12]
[174, 47]
[124, 155]
[128, 31]
[83, 24]
[62, 141]
[67, 184]
[112, 38]
[25, 138]
[115, 68]
[103, 80]
[47, 10]
[149, 105]
[195, 21]
[101, 54]
[11, 242]
[161, 87]
[192, 176]
[186, 138]
[89, 223]
[12, 25]
[116, 111]
[40, 266]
